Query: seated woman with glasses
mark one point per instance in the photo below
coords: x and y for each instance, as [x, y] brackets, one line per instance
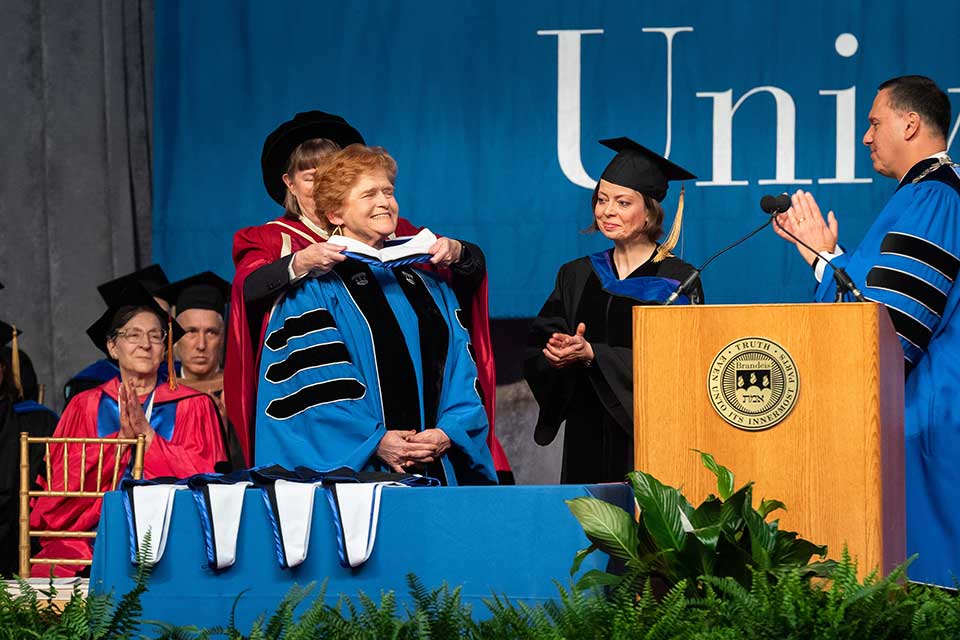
[180, 425]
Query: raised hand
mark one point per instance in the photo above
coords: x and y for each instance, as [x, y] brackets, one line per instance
[126, 429]
[805, 221]
[136, 421]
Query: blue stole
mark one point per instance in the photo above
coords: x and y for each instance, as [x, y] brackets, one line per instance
[390, 264]
[640, 288]
[30, 406]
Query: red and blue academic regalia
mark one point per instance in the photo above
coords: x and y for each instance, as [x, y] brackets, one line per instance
[187, 442]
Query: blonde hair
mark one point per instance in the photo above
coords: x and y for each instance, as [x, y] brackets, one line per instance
[307, 155]
[339, 172]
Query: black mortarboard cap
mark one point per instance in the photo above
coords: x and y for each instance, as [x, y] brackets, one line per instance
[204, 290]
[288, 136]
[133, 295]
[152, 278]
[640, 169]
[6, 333]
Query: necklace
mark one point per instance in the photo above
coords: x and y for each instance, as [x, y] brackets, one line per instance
[942, 161]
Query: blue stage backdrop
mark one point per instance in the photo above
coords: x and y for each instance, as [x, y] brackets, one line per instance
[493, 109]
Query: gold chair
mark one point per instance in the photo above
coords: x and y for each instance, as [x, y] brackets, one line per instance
[26, 493]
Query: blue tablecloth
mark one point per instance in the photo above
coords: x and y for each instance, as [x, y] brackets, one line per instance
[507, 540]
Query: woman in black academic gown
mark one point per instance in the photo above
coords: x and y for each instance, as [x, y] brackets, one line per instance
[579, 360]
[19, 412]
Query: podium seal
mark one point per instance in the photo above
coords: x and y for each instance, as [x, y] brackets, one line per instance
[753, 383]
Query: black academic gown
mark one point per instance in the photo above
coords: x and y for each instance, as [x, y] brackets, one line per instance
[38, 422]
[595, 401]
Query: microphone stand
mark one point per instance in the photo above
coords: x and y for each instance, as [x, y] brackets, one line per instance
[844, 282]
[685, 286]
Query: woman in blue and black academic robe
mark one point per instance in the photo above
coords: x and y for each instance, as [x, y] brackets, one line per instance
[369, 366]
[579, 361]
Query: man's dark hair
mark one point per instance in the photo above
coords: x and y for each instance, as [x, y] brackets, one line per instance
[922, 95]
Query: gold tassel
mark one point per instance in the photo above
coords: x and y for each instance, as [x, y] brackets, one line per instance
[663, 251]
[15, 363]
[171, 372]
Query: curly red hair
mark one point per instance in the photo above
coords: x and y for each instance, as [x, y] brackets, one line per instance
[339, 172]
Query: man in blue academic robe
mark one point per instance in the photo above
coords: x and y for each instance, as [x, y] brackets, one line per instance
[908, 261]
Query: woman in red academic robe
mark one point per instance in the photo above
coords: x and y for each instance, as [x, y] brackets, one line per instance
[180, 426]
[274, 256]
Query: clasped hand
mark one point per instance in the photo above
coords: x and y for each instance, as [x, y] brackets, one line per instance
[133, 422]
[563, 350]
[400, 449]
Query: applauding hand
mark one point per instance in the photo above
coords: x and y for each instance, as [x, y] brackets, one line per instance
[564, 350]
[804, 220]
[133, 422]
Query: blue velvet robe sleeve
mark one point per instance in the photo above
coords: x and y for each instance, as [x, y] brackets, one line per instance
[907, 262]
[325, 415]
[461, 414]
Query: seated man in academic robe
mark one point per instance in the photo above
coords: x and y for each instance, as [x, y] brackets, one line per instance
[198, 303]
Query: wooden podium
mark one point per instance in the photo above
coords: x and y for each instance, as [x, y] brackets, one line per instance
[835, 458]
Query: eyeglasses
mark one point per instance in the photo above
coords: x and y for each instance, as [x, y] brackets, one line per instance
[135, 336]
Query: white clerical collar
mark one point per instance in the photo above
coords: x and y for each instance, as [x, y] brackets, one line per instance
[940, 155]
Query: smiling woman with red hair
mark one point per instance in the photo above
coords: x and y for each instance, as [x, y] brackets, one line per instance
[275, 258]
[369, 366]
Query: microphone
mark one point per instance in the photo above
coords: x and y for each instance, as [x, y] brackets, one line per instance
[775, 205]
[687, 284]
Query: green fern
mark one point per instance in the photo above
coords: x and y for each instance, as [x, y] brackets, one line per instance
[378, 621]
[124, 620]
